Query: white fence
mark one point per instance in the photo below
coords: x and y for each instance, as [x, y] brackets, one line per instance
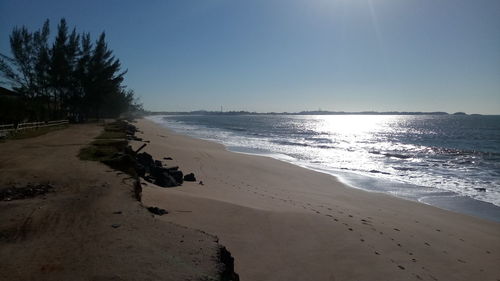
[6, 129]
[9, 128]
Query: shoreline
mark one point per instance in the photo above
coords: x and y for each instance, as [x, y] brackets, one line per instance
[284, 222]
[441, 198]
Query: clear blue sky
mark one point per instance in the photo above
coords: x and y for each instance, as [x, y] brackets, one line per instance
[292, 55]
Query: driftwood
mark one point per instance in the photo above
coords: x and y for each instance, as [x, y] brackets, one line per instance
[140, 148]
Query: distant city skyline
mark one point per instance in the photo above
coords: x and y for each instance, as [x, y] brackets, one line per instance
[292, 55]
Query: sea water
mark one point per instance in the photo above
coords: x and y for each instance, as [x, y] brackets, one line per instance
[450, 161]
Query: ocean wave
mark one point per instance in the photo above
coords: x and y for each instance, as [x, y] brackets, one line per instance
[320, 140]
[389, 154]
[403, 152]
[237, 129]
[290, 143]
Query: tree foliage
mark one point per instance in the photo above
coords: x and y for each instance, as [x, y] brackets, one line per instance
[72, 77]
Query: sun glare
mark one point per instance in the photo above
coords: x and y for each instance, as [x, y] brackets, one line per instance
[351, 125]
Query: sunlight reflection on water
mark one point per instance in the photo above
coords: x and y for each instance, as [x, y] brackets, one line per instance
[451, 153]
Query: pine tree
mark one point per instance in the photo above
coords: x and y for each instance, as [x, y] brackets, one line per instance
[70, 78]
[105, 77]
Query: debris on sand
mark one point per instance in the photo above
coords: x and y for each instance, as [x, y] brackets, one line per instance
[28, 191]
[157, 211]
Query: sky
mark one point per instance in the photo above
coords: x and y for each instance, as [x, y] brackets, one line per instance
[292, 55]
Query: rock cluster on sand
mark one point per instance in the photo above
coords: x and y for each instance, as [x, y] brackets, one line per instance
[141, 164]
[157, 211]
[190, 177]
[153, 171]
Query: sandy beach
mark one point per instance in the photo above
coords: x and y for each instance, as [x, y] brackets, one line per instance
[88, 226]
[283, 222]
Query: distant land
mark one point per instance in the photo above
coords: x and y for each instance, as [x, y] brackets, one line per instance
[316, 112]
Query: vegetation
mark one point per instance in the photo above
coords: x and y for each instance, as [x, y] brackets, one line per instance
[111, 141]
[72, 77]
[111, 148]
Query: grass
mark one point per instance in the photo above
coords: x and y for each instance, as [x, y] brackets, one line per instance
[106, 145]
[102, 150]
[110, 148]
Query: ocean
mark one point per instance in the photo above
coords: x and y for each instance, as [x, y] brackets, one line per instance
[449, 161]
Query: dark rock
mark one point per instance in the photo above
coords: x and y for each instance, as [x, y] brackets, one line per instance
[167, 158]
[122, 162]
[141, 170]
[201, 183]
[178, 176]
[480, 189]
[145, 159]
[148, 179]
[156, 171]
[190, 177]
[115, 225]
[158, 163]
[165, 180]
[172, 169]
[157, 211]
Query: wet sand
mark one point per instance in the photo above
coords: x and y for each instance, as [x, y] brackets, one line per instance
[283, 222]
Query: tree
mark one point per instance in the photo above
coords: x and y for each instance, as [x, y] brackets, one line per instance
[72, 77]
[105, 78]
[19, 69]
[26, 69]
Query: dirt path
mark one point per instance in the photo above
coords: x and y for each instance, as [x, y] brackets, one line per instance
[88, 227]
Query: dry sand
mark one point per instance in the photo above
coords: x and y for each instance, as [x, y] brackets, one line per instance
[283, 222]
[68, 234]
